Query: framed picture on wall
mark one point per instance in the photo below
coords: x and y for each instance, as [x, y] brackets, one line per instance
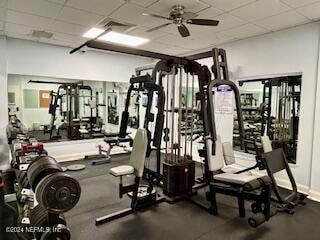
[44, 98]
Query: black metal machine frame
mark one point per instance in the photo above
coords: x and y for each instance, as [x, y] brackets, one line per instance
[220, 70]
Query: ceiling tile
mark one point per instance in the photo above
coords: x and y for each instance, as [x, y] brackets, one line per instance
[164, 6]
[220, 38]
[141, 32]
[144, 3]
[79, 17]
[103, 7]
[247, 30]
[27, 19]
[283, 20]
[177, 40]
[132, 13]
[54, 42]
[210, 13]
[260, 9]
[61, 2]
[2, 14]
[18, 28]
[3, 3]
[163, 48]
[20, 36]
[68, 28]
[311, 11]
[63, 37]
[36, 7]
[228, 5]
[298, 3]
[227, 21]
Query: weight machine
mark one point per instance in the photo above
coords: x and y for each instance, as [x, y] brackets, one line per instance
[67, 101]
[178, 166]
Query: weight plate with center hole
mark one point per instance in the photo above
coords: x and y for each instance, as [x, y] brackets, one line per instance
[58, 192]
[76, 167]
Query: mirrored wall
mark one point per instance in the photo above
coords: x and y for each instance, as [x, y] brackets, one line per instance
[55, 109]
[271, 107]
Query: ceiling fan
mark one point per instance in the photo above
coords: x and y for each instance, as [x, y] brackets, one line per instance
[178, 16]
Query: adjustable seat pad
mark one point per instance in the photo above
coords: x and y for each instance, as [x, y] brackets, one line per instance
[137, 156]
[122, 170]
[266, 144]
[234, 178]
[228, 153]
[230, 160]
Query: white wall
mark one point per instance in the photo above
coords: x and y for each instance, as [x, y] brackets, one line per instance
[3, 85]
[315, 167]
[3, 102]
[32, 58]
[287, 51]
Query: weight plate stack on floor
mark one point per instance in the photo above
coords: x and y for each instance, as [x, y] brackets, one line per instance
[39, 218]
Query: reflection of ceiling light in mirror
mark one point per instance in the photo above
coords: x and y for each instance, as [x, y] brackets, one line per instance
[116, 37]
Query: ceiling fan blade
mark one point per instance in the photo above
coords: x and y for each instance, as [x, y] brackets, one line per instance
[189, 15]
[155, 15]
[205, 22]
[158, 27]
[183, 30]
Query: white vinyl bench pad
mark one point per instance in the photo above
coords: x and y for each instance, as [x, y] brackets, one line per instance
[234, 178]
[122, 170]
[232, 168]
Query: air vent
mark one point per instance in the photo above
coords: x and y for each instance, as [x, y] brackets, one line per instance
[41, 34]
[116, 25]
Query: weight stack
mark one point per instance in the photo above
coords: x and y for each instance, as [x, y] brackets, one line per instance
[178, 178]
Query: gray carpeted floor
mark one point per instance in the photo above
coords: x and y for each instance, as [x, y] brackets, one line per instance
[182, 220]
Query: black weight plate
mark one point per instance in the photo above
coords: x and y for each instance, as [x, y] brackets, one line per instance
[38, 218]
[58, 192]
[41, 167]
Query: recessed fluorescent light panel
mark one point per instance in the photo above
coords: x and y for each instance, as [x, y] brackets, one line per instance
[115, 37]
[93, 32]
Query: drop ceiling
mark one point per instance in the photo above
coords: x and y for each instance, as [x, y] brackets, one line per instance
[68, 20]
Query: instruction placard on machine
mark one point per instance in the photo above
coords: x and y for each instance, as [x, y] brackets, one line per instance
[223, 100]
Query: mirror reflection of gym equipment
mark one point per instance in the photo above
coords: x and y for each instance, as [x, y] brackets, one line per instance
[113, 116]
[271, 107]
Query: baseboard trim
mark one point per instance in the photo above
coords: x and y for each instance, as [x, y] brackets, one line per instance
[312, 194]
[284, 183]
